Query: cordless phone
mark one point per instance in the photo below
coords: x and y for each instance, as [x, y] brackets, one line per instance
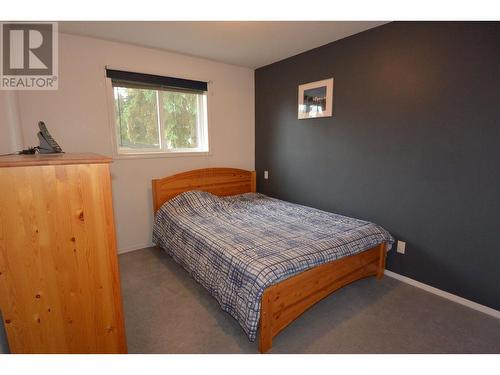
[48, 145]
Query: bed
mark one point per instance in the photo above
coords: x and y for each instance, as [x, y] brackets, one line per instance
[266, 261]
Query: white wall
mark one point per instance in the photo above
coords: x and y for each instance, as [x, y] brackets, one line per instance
[77, 116]
[10, 130]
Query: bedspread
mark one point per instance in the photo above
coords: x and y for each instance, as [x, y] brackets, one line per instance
[238, 246]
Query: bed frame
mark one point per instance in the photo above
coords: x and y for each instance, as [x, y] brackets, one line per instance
[283, 302]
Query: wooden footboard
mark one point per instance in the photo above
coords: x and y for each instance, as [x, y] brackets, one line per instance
[284, 302]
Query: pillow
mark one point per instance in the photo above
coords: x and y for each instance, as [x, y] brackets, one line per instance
[196, 200]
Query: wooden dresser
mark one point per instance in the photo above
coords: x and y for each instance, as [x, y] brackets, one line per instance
[59, 280]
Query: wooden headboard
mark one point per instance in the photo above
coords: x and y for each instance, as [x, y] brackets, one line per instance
[218, 181]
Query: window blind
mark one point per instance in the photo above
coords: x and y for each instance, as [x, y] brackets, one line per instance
[141, 80]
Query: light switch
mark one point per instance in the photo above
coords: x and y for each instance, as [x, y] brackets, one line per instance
[266, 175]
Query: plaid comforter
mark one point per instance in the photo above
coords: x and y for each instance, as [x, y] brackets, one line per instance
[238, 246]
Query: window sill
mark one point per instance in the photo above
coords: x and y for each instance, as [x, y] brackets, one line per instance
[160, 155]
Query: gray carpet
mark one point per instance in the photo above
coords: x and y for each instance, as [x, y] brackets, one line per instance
[168, 312]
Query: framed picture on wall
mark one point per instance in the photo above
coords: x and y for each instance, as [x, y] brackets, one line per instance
[316, 99]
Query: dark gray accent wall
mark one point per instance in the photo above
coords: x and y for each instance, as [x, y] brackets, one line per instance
[414, 145]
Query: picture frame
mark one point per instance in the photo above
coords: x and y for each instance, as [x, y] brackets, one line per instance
[316, 99]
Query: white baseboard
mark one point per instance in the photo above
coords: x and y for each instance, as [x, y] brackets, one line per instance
[442, 293]
[128, 249]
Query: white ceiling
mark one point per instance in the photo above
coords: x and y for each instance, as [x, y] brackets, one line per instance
[248, 44]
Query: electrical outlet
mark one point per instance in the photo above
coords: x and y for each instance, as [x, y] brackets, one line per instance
[401, 247]
[266, 175]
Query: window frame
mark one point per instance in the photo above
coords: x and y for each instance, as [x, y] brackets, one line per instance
[162, 152]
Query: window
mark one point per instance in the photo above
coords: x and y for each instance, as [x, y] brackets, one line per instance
[155, 114]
